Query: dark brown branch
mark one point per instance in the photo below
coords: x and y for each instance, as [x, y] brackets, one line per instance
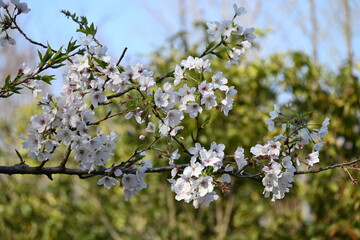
[329, 167]
[49, 171]
[120, 93]
[121, 57]
[106, 118]
[66, 157]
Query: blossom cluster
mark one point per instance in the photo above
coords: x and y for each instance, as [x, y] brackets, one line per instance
[281, 160]
[197, 183]
[227, 28]
[132, 183]
[92, 79]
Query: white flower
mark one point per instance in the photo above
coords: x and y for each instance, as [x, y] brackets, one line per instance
[179, 75]
[218, 149]
[173, 156]
[187, 94]
[227, 105]
[40, 123]
[136, 114]
[258, 150]
[24, 69]
[189, 63]
[80, 62]
[209, 158]
[231, 91]
[274, 114]
[117, 171]
[64, 135]
[204, 185]
[214, 29]
[203, 66]
[313, 158]
[82, 153]
[195, 151]
[97, 97]
[175, 130]
[82, 128]
[7, 39]
[208, 100]
[323, 131]
[33, 142]
[318, 146]
[227, 28]
[146, 82]
[226, 178]
[287, 163]
[22, 7]
[219, 82]
[111, 70]
[107, 181]
[271, 124]
[275, 168]
[249, 34]
[87, 40]
[239, 10]
[206, 200]
[205, 87]
[193, 109]
[161, 98]
[273, 148]
[194, 169]
[173, 118]
[150, 127]
[240, 158]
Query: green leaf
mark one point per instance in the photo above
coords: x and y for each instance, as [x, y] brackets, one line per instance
[211, 45]
[45, 78]
[83, 31]
[40, 56]
[7, 82]
[206, 121]
[108, 114]
[101, 63]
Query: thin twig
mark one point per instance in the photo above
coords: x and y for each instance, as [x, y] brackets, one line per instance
[329, 167]
[120, 93]
[121, 57]
[66, 157]
[106, 118]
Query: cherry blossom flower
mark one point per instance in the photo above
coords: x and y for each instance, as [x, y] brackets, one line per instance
[312, 158]
[107, 181]
[150, 127]
[193, 109]
[239, 10]
[240, 158]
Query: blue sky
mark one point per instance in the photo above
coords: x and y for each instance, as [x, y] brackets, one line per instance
[142, 25]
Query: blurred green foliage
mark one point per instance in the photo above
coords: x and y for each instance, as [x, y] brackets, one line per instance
[319, 206]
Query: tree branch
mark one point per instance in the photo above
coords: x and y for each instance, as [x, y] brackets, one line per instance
[121, 57]
[82, 173]
[120, 93]
[329, 167]
[66, 157]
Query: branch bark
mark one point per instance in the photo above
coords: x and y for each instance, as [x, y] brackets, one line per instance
[82, 173]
